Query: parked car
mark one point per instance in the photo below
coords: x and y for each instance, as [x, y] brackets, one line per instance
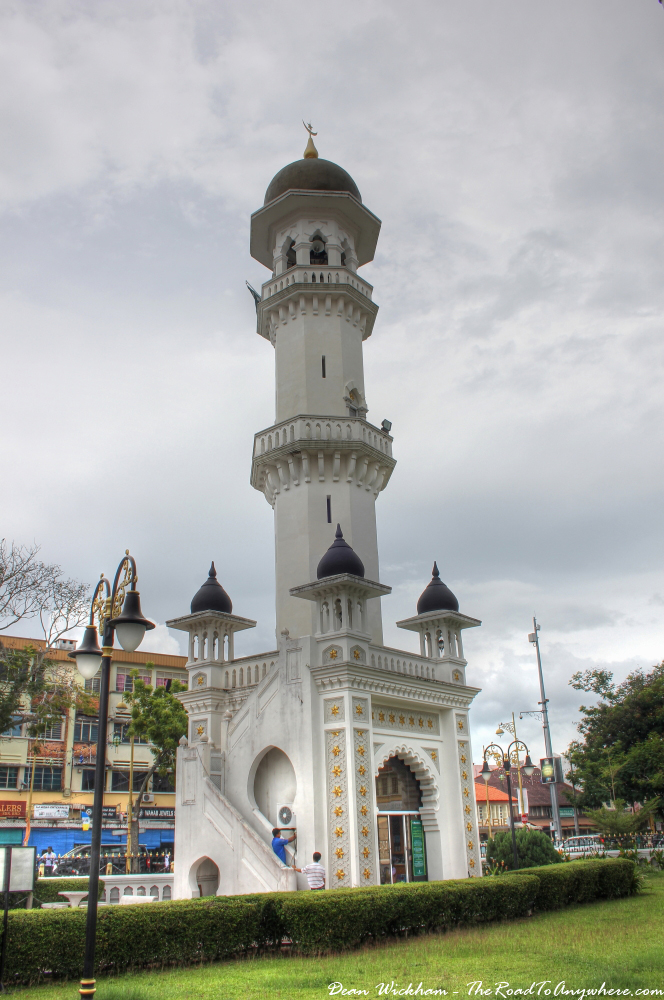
[77, 861]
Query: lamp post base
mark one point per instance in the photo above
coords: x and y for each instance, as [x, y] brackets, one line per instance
[87, 987]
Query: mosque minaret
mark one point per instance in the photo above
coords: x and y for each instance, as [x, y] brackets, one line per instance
[363, 750]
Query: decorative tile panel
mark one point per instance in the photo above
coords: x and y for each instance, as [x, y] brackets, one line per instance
[357, 655]
[333, 654]
[198, 728]
[404, 719]
[338, 836]
[364, 806]
[469, 808]
[435, 756]
[461, 725]
[198, 681]
[361, 710]
[335, 710]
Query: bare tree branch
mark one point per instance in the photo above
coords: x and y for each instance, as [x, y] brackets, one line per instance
[31, 589]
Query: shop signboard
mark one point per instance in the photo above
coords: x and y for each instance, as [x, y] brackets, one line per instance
[417, 841]
[12, 810]
[107, 812]
[566, 811]
[156, 812]
[51, 810]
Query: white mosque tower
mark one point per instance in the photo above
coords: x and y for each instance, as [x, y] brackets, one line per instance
[321, 463]
[363, 750]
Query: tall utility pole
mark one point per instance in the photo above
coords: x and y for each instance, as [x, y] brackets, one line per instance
[555, 814]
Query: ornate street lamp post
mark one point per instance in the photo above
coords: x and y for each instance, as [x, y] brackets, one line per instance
[527, 768]
[118, 610]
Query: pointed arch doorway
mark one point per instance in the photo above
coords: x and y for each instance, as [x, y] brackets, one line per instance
[401, 840]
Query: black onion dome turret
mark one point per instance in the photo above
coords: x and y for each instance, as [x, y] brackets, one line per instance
[212, 596]
[436, 596]
[340, 558]
[311, 175]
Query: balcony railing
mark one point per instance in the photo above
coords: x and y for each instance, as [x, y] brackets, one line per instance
[330, 278]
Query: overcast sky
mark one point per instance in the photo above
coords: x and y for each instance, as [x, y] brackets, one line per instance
[513, 150]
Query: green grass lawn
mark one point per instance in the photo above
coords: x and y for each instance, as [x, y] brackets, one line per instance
[620, 943]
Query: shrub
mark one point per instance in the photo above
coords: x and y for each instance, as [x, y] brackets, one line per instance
[47, 889]
[581, 882]
[533, 849]
[179, 932]
[341, 919]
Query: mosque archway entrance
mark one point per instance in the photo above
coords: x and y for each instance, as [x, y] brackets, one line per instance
[401, 842]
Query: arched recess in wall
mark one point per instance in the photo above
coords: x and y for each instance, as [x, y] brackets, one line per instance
[272, 783]
[204, 877]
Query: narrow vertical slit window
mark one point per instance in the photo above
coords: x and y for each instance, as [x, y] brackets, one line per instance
[323, 366]
[329, 510]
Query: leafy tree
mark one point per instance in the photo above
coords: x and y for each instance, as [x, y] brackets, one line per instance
[35, 689]
[621, 751]
[619, 823]
[160, 718]
[532, 847]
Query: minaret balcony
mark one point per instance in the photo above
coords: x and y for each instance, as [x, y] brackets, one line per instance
[324, 448]
[315, 275]
[335, 291]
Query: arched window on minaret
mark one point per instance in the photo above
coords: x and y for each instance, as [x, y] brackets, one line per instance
[318, 252]
[291, 259]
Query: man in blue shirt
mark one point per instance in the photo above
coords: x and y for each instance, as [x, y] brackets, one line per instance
[279, 845]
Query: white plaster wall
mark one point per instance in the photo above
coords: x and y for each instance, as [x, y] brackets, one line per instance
[280, 713]
[299, 348]
[303, 535]
[209, 827]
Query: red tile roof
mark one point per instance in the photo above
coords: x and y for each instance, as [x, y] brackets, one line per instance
[495, 794]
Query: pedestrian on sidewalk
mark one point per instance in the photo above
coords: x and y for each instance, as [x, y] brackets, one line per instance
[315, 873]
[279, 845]
[49, 858]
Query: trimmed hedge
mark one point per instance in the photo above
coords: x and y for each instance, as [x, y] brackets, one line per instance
[337, 920]
[581, 881]
[179, 932]
[183, 932]
[47, 889]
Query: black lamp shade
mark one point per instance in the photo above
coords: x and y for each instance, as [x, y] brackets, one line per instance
[486, 771]
[528, 767]
[88, 654]
[131, 626]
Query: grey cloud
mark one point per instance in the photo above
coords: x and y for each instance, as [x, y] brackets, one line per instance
[513, 158]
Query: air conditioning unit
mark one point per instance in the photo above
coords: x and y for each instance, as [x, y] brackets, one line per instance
[285, 815]
[148, 797]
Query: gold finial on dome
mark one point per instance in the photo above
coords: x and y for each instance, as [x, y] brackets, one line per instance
[310, 153]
